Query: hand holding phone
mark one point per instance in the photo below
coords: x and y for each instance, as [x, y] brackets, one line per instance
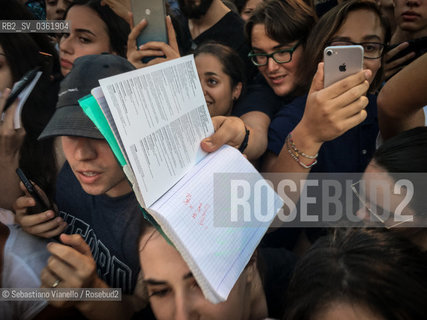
[42, 204]
[159, 49]
[154, 12]
[38, 221]
[341, 62]
[331, 111]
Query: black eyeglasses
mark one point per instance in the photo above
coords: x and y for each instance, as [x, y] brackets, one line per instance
[372, 50]
[279, 56]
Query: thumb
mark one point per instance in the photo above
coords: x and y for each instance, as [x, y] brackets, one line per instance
[212, 143]
[318, 83]
[76, 242]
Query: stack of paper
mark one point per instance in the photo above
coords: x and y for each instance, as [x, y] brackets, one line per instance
[154, 119]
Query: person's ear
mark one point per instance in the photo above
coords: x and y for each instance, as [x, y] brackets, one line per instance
[237, 90]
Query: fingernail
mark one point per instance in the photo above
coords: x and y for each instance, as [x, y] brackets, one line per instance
[142, 20]
[49, 214]
[58, 220]
[367, 74]
[208, 143]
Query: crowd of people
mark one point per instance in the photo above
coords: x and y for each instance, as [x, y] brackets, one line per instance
[260, 65]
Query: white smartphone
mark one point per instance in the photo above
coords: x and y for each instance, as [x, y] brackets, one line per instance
[341, 62]
[154, 11]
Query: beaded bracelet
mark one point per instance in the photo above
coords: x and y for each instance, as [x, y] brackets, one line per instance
[296, 156]
[296, 149]
[302, 164]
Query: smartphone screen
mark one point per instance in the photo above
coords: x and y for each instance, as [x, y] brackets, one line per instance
[341, 62]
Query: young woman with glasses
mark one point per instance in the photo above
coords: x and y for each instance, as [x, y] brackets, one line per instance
[333, 132]
[332, 129]
[277, 29]
[354, 23]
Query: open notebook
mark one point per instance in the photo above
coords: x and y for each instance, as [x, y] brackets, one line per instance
[156, 118]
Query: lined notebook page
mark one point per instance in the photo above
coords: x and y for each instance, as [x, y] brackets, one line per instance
[215, 255]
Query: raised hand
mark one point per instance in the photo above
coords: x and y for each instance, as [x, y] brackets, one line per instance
[43, 224]
[158, 49]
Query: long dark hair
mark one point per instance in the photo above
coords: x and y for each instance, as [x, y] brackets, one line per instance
[232, 64]
[118, 28]
[325, 29]
[23, 53]
[370, 268]
[405, 152]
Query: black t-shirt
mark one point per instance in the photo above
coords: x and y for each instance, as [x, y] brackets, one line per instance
[228, 31]
[110, 226]
[259, 97]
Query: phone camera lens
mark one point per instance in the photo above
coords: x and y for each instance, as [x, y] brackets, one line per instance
[329, 52]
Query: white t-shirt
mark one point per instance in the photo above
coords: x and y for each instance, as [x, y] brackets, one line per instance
[24, 258]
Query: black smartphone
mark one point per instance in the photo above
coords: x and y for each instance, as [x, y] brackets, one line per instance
[41, 204]
[22, 83]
